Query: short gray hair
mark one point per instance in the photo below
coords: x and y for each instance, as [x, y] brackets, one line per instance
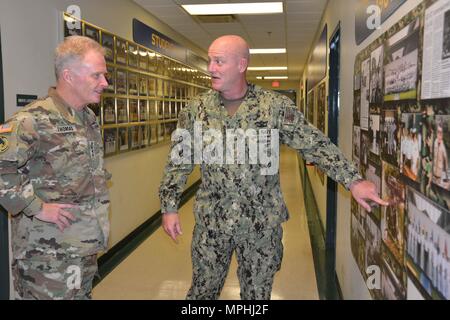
[73, 49]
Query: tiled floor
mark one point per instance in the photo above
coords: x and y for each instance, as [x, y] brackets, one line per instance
[161, 269]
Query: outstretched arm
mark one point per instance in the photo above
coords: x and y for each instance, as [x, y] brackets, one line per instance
[363, 190]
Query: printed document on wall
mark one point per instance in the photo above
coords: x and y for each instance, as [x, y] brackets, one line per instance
[436, 52]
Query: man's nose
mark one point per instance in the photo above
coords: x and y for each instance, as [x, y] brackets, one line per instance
[211, 67]
[104, 82]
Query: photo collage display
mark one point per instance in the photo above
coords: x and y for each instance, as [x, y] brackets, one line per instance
[401, 142]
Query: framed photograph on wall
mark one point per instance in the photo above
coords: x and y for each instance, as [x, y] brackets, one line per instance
[173, 109]
[123, 139]
[143, 110]
[160, 110]
[428, 240]
[167, 106]
[441, 152]
[91, 32]
[393, 216]
[121, 51]
[153, 109]
[152, 62]
[109, 110]
[401, 63]
[151, 87]
[110, 141]
[132, 84]
[107, 41]
[321, 107]
[135, 142]
[121, 81]
[145, 134]
[143, 59]
[122, 112]
[133, 55]
[410, 144]
[166, 89]
[389, 136]
[134, 115]
[143, 85]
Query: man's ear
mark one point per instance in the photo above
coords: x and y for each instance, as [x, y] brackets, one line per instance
[67, 76]
[243, 64]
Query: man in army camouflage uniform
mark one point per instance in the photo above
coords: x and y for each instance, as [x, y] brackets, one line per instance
[53, 182]
[238, 206]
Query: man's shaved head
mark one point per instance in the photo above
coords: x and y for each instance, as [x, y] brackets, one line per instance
[228, 62]
[231, 44]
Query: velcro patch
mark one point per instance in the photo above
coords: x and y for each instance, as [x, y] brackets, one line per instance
[4, 144]
[289, 116]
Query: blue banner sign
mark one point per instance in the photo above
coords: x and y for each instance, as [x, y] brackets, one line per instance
[152, 39]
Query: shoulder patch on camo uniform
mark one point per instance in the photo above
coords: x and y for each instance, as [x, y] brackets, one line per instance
[6, 128]
[4, 144]
[289, 116]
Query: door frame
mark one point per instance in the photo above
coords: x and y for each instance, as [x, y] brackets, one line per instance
[333, 134]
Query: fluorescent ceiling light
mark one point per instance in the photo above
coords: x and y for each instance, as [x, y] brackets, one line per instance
[265, 68]
[234, 8]
[271, 77]
[264, 51]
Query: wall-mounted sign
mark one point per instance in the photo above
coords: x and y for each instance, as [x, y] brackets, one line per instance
[150, 38]
[370, 15]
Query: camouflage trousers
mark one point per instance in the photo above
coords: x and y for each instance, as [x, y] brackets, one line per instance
[42, 279]
[258, 254]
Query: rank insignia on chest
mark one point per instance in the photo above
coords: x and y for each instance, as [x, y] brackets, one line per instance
[92, 149]
[65, 129]
[289, 116]
[4, 144]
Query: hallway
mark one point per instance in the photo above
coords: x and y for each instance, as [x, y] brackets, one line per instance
[160, 269]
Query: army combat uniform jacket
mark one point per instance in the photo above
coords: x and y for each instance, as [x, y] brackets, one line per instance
[53, 154]
[237, 198]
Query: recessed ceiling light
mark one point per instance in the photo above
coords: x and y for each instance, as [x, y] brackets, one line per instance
[265, 68]
[265, 51]
[234, 8]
